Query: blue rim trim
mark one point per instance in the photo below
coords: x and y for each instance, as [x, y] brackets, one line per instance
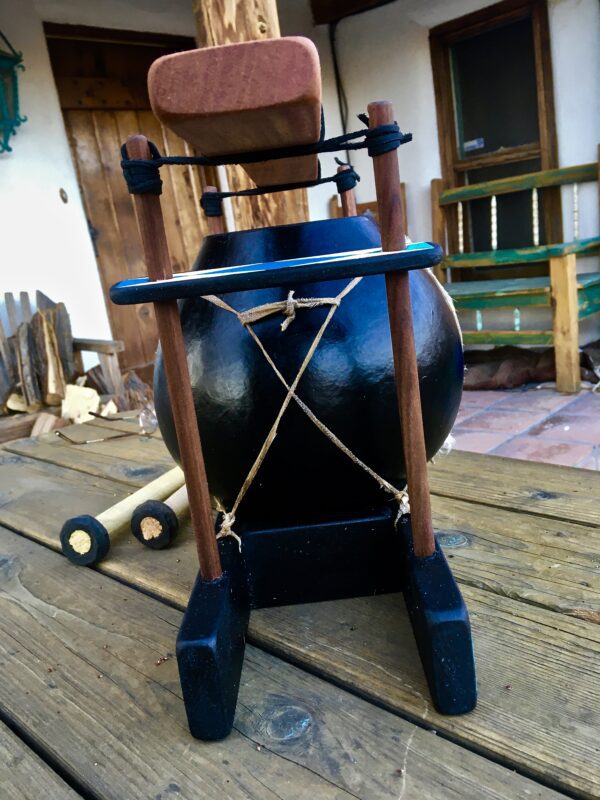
[420, 255]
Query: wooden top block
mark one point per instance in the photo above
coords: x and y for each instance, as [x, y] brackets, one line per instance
[244, 97]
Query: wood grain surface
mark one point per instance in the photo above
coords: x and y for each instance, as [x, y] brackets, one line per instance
[233, 99]
[24, 776]
[220, 22]
[89, 673]
[522, 538]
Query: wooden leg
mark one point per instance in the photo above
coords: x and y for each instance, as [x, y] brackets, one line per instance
[389, 202]
[438, 226]
[156, 252]
[565, 322]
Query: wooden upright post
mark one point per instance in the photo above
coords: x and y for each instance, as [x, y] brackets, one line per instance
[565, 322]
[226, 22]
[158, 262]
[389, 203]
[215, 224]
[348, 198]
[438, 225]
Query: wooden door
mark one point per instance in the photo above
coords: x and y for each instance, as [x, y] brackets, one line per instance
[102, 89]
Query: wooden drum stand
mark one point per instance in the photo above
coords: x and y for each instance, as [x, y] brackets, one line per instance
[308, 562]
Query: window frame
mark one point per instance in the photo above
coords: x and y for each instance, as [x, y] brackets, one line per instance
[441, 39]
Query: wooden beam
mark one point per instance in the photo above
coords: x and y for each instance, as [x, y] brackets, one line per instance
[226, 22]
[519, 183]
[327, 11]
[438, 225]
[565, 322]
[522, 255]
[518, 338]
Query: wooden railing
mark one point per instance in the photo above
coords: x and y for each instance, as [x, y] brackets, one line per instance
[562, 288]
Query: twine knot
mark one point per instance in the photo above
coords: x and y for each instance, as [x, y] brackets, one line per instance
[289, 312]
[403, 500]
[226, 528]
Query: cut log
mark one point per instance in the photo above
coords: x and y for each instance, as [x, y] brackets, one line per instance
[26, 361]
[47, 358]
[242, 98]
[61, 323]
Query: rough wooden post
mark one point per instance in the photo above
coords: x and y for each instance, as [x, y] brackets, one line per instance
[225, 22]
[389, 203]
[438, 225]
[565, 322]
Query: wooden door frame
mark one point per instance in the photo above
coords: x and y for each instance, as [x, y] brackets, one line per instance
[453, 167]
[132, 100]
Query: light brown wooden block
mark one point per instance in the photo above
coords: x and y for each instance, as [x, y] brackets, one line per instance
[244, 98]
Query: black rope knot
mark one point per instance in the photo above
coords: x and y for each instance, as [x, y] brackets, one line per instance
[142, 175]
[384, 138]
[347, 179]
[212, 204]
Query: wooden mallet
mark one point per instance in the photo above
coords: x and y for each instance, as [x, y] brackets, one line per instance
[86, 540]
[155, 523]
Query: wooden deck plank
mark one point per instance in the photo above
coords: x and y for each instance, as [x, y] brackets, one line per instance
[84, 675]
[535, 559]
[103, 459]
[550, 563]
[539, 693]
[24, 776]
[511, 637]
[535, 488]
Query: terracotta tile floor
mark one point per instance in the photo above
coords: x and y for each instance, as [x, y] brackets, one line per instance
[532, 424]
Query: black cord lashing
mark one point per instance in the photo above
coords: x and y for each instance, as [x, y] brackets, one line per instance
[345, 180]
[143, 177]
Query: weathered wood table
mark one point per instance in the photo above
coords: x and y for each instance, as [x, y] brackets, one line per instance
[333, 703]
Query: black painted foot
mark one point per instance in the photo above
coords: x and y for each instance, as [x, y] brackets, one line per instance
[440, 622]
[210, 653]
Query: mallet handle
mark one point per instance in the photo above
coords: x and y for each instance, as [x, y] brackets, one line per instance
[389, 203]
[178, 502]
[118, 516]
[156, 253]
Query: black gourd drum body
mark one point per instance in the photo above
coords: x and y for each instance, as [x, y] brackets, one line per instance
[349, 383]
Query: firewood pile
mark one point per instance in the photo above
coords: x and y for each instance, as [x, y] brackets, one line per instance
[42, 374]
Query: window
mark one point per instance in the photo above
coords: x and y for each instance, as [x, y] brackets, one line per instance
[493, 85]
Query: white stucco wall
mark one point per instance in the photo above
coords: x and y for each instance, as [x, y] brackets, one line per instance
[575, 45]
[157, 16]
[384, 54]
[44, 242]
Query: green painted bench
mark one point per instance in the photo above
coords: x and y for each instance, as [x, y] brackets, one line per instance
[570, 296]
